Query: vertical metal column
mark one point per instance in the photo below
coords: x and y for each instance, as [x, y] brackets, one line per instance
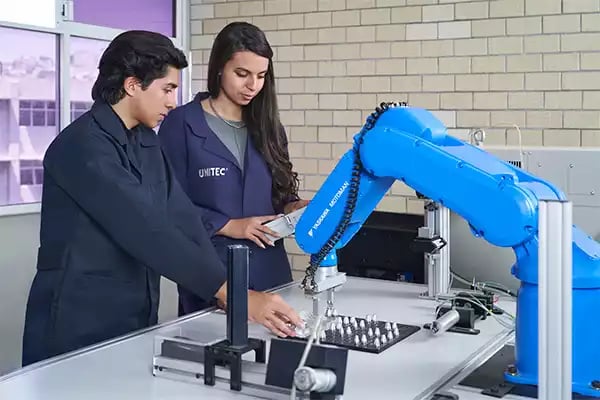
[437, 220]
[237, 295]
[555, 280]
[431, 260]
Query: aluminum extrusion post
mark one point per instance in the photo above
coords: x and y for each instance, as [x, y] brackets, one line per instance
[555, 261]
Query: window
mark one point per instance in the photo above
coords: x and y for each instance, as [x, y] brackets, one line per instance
[20, 12]
[78, 108]
[150, 15]
[28, 108]
[83, 61]
[31, 172]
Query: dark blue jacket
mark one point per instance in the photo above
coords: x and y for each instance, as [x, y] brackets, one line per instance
[114, 219]
[209, 174]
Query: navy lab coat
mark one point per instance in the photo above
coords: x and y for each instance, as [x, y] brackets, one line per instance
[211, 177]
[114, 219]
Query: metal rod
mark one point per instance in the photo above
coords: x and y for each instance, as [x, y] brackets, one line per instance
[443, 272]
[237, 295]
[555, 283]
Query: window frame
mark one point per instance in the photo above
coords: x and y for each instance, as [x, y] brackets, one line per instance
[65, 30]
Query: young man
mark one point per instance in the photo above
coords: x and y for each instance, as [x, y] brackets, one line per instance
[114, 219]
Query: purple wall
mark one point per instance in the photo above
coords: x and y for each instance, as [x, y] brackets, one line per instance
[151, 15]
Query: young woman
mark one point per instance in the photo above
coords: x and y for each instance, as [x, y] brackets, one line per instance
[229, 152]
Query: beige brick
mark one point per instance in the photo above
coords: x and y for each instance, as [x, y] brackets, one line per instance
[338, 150]
[314, 182]
[454, 30]
[360, 34]
[390, 67]
[470, 47]
[472, 119]
[543, 81]
[326, 166]
[507, 8]
[474, 10]
[390, 3]
[490, 101]
[524, 26]
[290, 53]
[213, 25]
[421, 31]
[509, 81]
[318, 85]
[524, 63]
[252, 8]
[526, 100]
[563, 100]
[196, 27]
[401, 189]
[414, 206]
[305, 101]
[296, 149]
[543, 7]
[581, 80]
[306, 166]
[268, 23]
[227, 10]
[443, 12]
[406, 49]
[319, 117]
[582, 119]
[332, 68]
[429, 101]
[332, 5]
[406, 14]
[292, 118]
[391, 33]
[375, 84]
[360, 67]
[279, 38]
[438, 83]
[590, 22]
[488, 28]
[542, 44]
[488, 64]
[562, 137]
[361, 101]
[561, 62]
[562, 23]
[580, 42]
[303, 134]
[301, 6]
[333, 101]
[437, 48]
[472, 83]
[350, 4]
[376, 16]
[331, 134]
[200, 42]
[305, 36]
[202, 12]
[342, 118]
[317, 20]
[346, 84]
[304, 68]
[508, 118]
[416, 66]
[591, 100]
[351, 131]
[284, 101]
[495, 137]
[317, 150]
[277, 7]
[448, 118]
[387, 97]
[332, 35]
[290, 21]
[392, 204]
[590, 138]
[421, 2]
[345, 51]
[507, 45]
[319, 52]
[544, 119]
[590, 61]
[375, 50]
[529, 137]
[406, 83]
[346, 18]
[454, 65]
[574, 6]
[456, 101]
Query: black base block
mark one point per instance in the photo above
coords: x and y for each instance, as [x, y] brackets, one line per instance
[223, 353]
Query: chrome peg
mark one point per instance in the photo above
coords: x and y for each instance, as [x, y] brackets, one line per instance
[387, 326]
[370, 332]
[348, 331]
[346, 321]
[363, 340]
[368, 318]
[356, 340]
[390, 335]
[362, 324]
[377, 332]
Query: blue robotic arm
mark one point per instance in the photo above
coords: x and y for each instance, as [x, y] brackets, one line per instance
[497, 199]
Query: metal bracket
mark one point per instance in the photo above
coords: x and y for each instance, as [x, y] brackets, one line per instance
[498, 391]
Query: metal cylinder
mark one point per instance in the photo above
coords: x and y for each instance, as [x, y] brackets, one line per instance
[445, 322]
[317, 380]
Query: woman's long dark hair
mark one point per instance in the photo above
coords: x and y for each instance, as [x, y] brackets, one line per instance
[261, 115]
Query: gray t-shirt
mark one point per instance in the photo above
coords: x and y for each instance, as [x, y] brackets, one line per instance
[234, 139]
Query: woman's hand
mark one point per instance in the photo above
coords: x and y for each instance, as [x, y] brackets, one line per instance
[294, 205]
[251, 228]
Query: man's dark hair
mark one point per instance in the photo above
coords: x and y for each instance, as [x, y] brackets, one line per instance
[140, 54]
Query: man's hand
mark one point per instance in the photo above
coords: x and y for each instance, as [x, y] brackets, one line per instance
[250, 228]
[270, 310]
[294, 205]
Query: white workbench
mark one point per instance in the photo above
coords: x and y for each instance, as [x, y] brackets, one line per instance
[412, 369]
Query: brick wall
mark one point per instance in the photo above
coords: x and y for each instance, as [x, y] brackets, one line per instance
[490, 64]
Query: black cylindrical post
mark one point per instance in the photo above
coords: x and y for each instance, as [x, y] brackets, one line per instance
[237, 295]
